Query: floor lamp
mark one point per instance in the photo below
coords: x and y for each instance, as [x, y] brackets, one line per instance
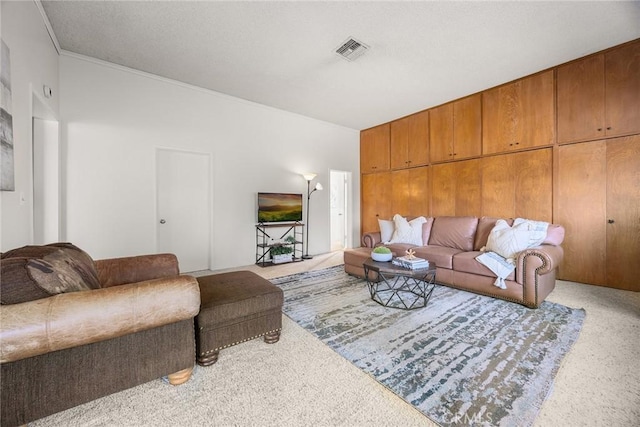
[309, 177]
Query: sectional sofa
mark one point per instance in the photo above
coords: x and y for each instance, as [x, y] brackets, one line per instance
[453, 243]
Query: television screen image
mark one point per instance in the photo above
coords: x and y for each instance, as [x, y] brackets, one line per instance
[279, 207]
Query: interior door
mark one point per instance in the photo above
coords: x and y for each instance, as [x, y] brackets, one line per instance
[46, 182]
[183, 207]
[339, 196]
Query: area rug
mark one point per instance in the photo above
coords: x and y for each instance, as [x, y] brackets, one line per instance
[465, 359]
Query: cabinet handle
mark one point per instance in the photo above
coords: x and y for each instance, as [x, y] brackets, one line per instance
[610, 221]
[599, 129]
[608, 127]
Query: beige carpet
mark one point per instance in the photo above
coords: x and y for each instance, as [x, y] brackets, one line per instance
[301, 382]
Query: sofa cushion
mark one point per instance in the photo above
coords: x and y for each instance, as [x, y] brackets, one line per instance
[34, 272]
[387, 228]
[439, 255]
[466, 262]
[454, 232]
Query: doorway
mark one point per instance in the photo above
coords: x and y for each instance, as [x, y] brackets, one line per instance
[46, 181]
[183, 199]
[339, 203]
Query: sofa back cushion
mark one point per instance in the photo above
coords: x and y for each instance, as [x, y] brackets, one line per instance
[454, 232]
[555, 232]
[34, 272]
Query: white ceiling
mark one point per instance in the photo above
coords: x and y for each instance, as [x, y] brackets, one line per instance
[281, 54]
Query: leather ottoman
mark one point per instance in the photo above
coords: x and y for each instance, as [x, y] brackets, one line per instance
[235, 307]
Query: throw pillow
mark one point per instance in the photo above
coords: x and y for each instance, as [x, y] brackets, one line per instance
[409, 232]
[508, 241]
[34, 272]
[387, 228]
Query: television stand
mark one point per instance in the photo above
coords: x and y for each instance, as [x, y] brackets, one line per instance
[287, 234]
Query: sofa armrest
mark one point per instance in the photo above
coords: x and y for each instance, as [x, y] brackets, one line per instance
[539, 260]
[371, 239]
[73, 319]
[118, 271]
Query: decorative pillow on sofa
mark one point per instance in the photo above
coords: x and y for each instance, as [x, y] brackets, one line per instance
[387, 227]
[508, 241]
[34, 272]
[409, 232]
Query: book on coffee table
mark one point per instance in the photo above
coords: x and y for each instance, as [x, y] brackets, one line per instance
[411, 263]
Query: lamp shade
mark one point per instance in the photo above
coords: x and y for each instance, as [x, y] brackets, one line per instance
[309, 176]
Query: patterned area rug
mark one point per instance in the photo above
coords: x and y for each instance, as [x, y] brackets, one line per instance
[465, 359]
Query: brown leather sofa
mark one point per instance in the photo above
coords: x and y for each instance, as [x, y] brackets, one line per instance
[62, 350]
[453, 245]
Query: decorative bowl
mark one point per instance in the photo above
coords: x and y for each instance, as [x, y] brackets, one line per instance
[381, 257]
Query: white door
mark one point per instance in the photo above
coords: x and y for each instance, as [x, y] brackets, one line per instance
[339, 196]
[183, 201]
[46, 182]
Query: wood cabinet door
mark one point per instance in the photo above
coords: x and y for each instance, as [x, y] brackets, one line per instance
[581, 209]
[375, 200]
[518, 185]
[410, 192]
[533, 171]
[498, 186]
[467, 127]
[400, 144]
[519, 114]
[623, 213]
[374, 149]
[468, 195]
[418, 145]
[456, 188]
[580, 92]
[441, 133]
[622, 83]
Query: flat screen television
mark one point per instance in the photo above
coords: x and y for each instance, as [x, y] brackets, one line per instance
[279, 207]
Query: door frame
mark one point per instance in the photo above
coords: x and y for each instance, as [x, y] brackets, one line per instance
[348, 207]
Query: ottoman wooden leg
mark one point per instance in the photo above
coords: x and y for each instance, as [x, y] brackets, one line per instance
[208, 359]
[180, 377]
[272, 337]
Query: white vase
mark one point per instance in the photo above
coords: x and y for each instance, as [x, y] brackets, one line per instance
[282, 258]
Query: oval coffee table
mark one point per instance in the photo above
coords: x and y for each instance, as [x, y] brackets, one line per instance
[399, 287]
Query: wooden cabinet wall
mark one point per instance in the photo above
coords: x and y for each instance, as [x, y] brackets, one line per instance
[496, 153]
[410, 192]
[518, 185]
[599, 96]
[456, 130]
[375, 200]
[374, 149]
[410, 141]
[519, 115]
[602, 241]
[456, 188]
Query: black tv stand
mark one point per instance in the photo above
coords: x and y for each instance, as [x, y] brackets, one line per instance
[270, 234]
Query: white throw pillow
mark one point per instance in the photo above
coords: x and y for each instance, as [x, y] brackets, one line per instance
[509, 241]
[409, 232]
[387, 227]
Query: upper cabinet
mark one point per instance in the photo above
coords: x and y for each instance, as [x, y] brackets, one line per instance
[456, 130]
[410, 141]
[519, 115]
[599, 96]
[374, 149]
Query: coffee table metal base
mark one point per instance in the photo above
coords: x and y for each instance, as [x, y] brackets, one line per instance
[401, 290]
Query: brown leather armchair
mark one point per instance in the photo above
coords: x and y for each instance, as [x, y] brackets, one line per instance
[70, 348]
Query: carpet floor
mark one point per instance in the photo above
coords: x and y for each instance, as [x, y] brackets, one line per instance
[465, 359]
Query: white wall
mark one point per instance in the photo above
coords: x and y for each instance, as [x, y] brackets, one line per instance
[34, 63]
[113, 120]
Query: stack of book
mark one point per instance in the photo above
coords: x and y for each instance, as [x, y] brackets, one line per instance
[411, 263]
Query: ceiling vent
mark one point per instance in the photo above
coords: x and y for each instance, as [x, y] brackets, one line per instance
[352, 49]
